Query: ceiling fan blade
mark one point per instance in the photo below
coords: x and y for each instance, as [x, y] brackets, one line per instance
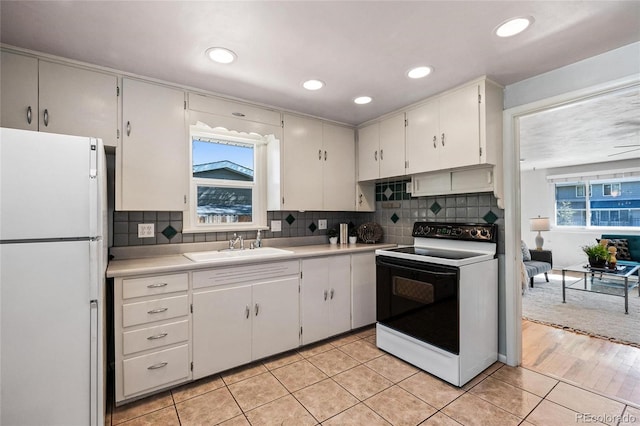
[626, 146]
[624, 152]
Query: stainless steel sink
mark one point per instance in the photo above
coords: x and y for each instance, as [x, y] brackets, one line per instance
[216, 256]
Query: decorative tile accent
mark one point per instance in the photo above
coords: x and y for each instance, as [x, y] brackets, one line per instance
[394, 218]
[313, 227]
[435, 207]
[388, 193]
[169, 232]
[490, 217]
[290, 219]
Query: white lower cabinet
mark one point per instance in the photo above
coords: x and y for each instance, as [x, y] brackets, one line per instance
[174, 328]
[363, 289]
[238, 322]
[325, 297]
[152, 344]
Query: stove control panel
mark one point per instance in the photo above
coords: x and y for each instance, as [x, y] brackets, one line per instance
[456, 231]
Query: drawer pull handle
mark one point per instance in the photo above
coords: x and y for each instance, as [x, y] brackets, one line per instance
[257, 309]
[325, 295]
[29, 114]
[158, 365]
[158, 336]
[332, 291]
[157, 311]
[246, 311]
[46, 117]
[157, 285]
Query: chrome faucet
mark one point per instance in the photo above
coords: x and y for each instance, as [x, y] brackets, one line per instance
[234, 240]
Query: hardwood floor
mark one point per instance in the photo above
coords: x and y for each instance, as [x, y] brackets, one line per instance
[611, 369]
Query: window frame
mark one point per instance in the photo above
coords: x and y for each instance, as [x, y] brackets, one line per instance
[258, 185]
[589, 211]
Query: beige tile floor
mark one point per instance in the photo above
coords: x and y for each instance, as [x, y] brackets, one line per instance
[348, 381]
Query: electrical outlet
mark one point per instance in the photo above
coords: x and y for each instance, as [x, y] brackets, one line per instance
[276, 226]
[322, 223]
[146, 230]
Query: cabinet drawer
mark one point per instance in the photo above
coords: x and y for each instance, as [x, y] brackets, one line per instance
[154, 310]
[156, 369]
[155, 337]
[149, 286]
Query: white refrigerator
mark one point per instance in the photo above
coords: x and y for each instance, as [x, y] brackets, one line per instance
[52, 278]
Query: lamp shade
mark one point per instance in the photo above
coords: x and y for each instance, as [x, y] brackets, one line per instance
[540, 224]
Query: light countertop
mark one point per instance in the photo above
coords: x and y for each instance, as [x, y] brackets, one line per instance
[179, 263]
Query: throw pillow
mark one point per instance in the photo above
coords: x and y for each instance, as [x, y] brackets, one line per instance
[526, 254]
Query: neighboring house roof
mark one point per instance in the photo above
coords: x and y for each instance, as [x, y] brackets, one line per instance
[219, 167]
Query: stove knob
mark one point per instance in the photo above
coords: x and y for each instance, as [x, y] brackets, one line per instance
[456, 231]
[484, 233]
[474, 232]
[426, 230]
[419, 230]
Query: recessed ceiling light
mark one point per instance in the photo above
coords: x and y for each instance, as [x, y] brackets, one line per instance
[313, 84]
[221, 55]
[513, 26]
[361, 100]
[419, 72]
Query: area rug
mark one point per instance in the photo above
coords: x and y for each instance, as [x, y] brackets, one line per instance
[596, 315]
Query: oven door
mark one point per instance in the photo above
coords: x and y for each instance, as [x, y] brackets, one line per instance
[419, 299]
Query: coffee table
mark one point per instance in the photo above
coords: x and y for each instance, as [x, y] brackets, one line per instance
[616, 282]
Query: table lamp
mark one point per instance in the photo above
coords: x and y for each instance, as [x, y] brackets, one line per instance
[539, 224]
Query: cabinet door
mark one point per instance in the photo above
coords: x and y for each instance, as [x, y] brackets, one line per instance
[460, 127]
[314, 299]
[221, 330]
[363, 289]
[392, 151]
[276, 320]
[368, 146]
[339, 285]
[80, 102]
[19, 88]
[154, 160]
[338, 172]
[303, 163]
[423, 142]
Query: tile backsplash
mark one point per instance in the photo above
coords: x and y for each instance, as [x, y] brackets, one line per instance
[396, 211]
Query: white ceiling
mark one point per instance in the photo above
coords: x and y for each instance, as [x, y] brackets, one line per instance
[595, 130]
[356, 47]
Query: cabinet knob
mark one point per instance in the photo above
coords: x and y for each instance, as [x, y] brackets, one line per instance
[45, 117]
[29, 114]
[325, 295]
[381, 154]
[443, 139]
[375, 155]
[332, 291]
[257, 309]
[434, 141]
[246, 311]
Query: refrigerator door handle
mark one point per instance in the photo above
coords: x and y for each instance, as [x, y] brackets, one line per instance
[94, 394]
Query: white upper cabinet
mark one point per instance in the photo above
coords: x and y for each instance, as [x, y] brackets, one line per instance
[318, 169]
[153, 160]
[457, 129]
[19, 100]
[392, 150]
[381, 151]
[303, 164]
[56, 98]
[339, 156]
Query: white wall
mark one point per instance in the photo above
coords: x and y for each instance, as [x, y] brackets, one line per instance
[537, 197]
